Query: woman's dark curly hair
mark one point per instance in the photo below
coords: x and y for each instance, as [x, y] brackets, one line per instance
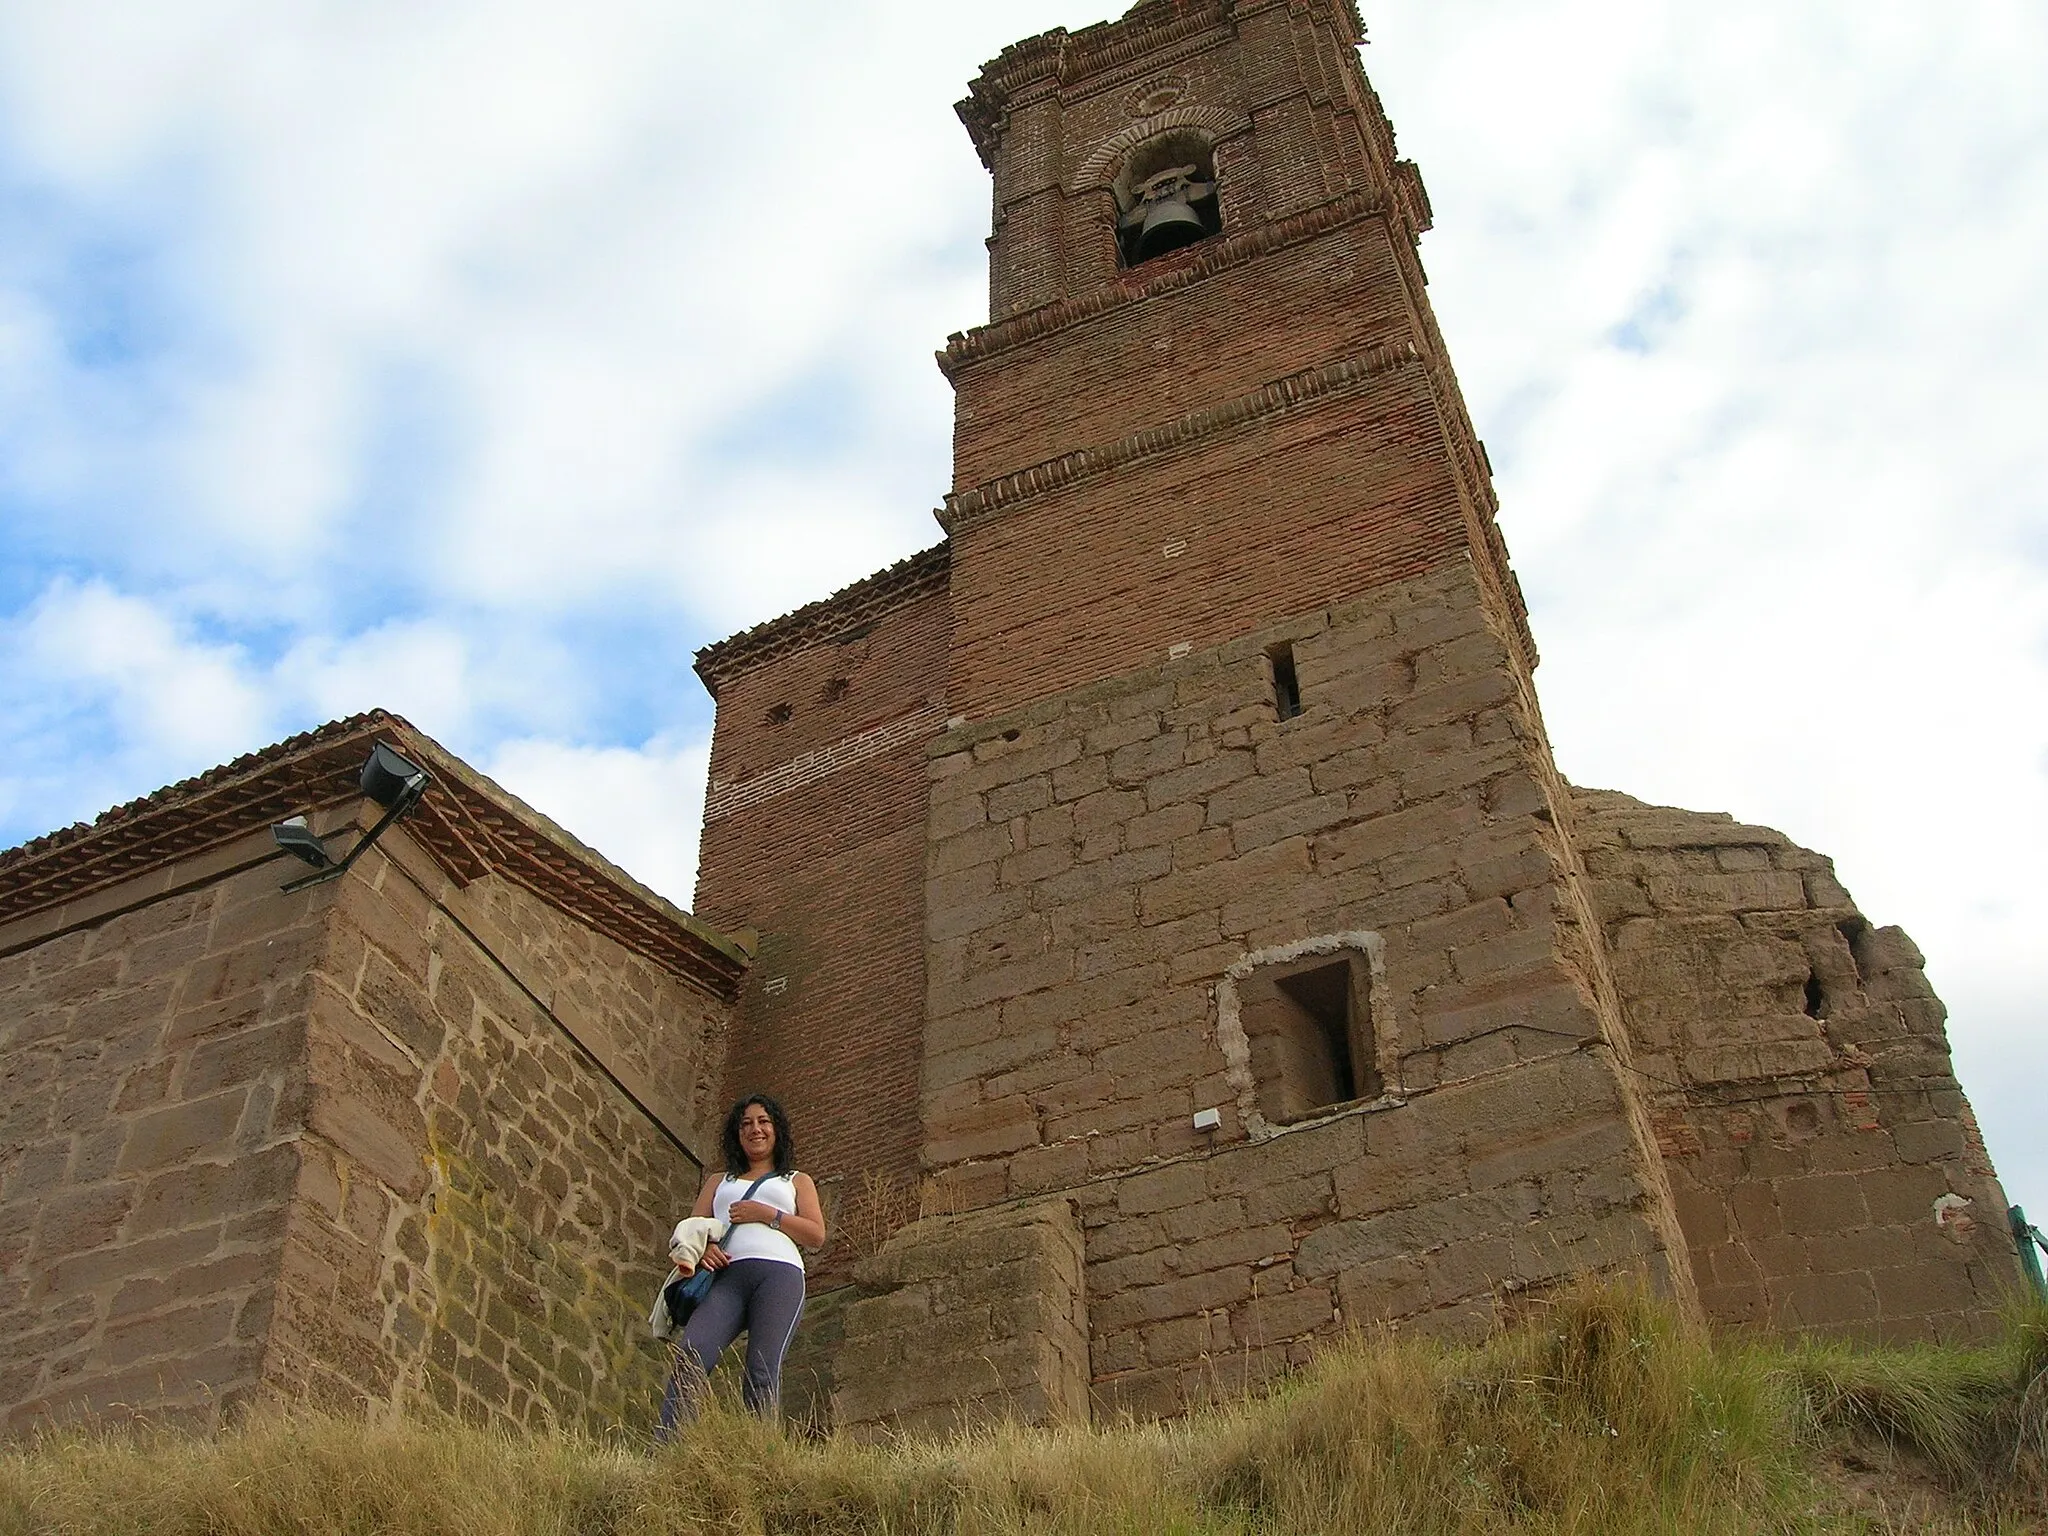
[735, 1155]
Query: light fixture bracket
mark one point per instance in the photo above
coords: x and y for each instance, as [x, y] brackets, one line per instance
[389, 779]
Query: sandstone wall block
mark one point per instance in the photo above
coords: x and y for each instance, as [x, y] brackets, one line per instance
[963, 1320]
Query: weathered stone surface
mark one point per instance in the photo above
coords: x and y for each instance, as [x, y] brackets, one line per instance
[1221, 669]
[1799, 1068]
[150, 1153]
[333, 1149]
[964, 1319]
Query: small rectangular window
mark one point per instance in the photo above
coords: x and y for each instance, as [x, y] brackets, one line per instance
[1310, 1032]
[1286, 690]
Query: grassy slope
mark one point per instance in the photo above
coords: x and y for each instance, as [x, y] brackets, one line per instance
[1601, 1414]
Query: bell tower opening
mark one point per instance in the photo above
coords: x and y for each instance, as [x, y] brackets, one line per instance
[1166, 196]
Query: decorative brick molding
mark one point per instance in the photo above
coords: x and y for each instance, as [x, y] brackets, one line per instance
[1099, 167]
[1110, 53]
[810, 767]
[964, 349]
[964, 508]
[844, 613]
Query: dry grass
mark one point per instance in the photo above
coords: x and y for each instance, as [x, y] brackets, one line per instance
[1600, 1414]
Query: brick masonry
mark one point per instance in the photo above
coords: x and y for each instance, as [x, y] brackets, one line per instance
[1164, 476]
[818, 790]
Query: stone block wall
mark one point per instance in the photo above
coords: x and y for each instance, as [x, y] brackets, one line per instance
[1100, 861]
[958, 1321]
[377, 1142]
[481, 1215]
[1795, 1057]
[1221, 1270]
[152, 1085]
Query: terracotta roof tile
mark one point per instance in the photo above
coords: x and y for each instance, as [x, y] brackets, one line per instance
[468, 824]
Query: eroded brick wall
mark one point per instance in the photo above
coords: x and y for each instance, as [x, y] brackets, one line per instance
[1326, 297]
[1102, 576]
[482, 1211]
[1799, 1070]
[1099, 859]
[824, 854]
[152, 1080]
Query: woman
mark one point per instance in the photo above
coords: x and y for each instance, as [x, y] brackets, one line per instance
[760, 1265]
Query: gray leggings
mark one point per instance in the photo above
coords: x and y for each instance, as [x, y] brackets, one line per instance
[763, 1296]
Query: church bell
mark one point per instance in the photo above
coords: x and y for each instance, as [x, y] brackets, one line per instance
[1169, 224]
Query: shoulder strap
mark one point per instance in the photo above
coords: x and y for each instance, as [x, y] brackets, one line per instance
[747, 1196]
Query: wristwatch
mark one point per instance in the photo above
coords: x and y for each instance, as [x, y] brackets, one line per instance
[775, 1221]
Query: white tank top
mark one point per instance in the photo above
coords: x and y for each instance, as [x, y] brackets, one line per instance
[755, 1239]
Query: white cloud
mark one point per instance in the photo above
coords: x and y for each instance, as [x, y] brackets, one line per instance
[639, 807]
[420, 669]
[160, 683]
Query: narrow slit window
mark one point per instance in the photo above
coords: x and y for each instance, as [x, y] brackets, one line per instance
[1286, 688]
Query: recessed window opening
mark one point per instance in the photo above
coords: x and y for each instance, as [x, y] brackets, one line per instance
[1309, 1028]
[1166, 196]
[1816, 999]
[781, 714]
[1286, 687]
[836, 688]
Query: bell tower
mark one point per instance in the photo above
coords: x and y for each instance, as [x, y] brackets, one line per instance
[1168, 873]
[1247, 866]
[1203, 264]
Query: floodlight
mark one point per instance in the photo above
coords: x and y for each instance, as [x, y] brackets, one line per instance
[299, 840]
[389, 779]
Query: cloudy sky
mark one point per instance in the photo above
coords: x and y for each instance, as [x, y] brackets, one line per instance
[481, 360]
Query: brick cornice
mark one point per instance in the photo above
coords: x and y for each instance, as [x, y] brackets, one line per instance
[467, 824]
[1094, 172]
[850, 609]
[966, 349]
[965, 508]
[1060, 58]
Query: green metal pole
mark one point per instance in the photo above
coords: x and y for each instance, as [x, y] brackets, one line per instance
[2029, 1237]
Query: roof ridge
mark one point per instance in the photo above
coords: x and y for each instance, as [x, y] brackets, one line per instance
[182, 789]
[858, 603]
[468, 824]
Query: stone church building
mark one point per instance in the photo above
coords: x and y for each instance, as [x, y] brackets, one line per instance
[1155, 902]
